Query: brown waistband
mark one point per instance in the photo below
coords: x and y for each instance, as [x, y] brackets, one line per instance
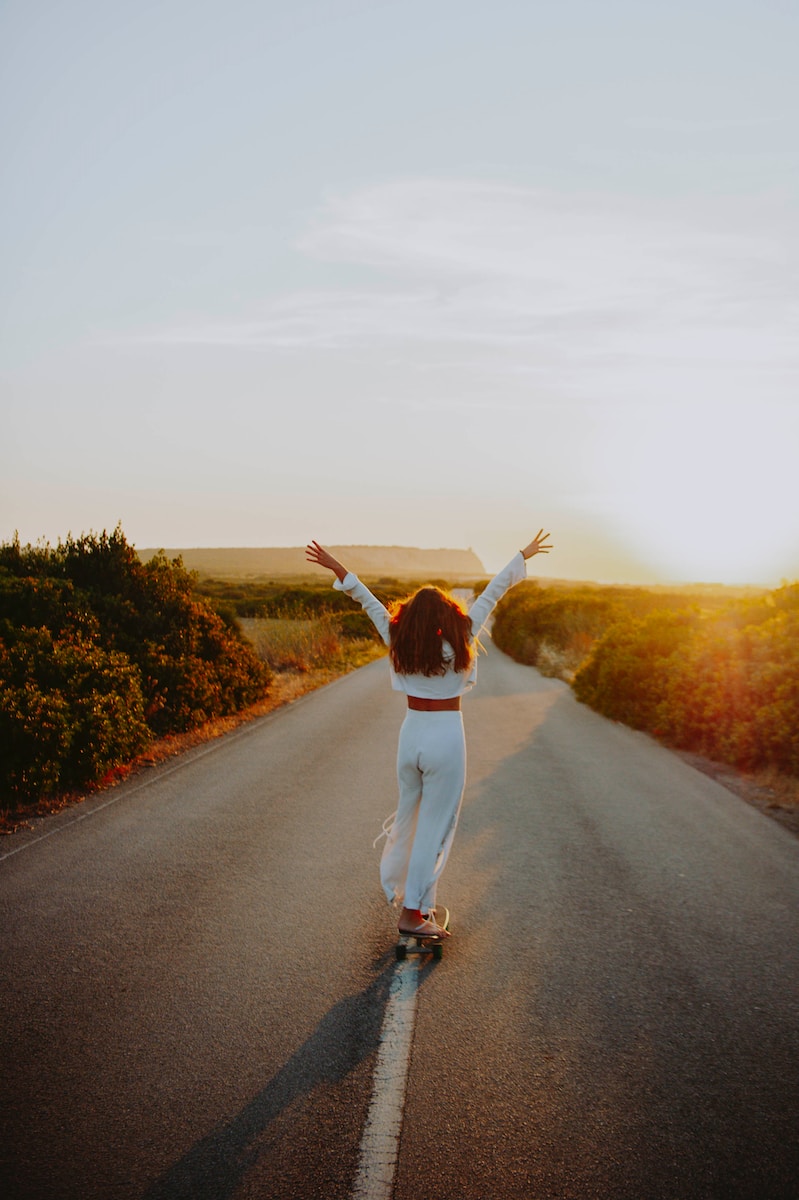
[419, 704]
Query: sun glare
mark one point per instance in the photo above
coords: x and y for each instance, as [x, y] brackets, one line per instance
[708, 493]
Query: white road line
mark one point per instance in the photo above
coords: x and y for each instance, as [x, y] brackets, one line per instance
[381, 1135]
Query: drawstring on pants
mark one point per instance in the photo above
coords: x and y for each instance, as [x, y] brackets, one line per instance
[388, 824]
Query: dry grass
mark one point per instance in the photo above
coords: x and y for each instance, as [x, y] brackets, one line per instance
[294, 644]
[558, 662]
[307, 645]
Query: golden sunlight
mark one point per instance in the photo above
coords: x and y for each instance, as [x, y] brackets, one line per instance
[708, 493]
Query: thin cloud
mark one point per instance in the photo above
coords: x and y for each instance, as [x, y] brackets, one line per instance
[703, 125]
[564, 256]
[550, 283]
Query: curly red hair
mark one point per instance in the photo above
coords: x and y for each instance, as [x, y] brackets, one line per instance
[419, 626]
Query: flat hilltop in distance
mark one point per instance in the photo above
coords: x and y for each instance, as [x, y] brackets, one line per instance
[286, 564]
[371, 562]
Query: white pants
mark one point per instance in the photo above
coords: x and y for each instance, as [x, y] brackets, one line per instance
[431, 772]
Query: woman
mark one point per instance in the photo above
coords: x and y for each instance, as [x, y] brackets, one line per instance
[432, 640]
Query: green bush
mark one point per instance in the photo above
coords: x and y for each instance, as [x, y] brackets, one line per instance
[35, 726]
[707, 674]
[734, 694]
[100, 652]
[69, 712]
[552, 630]
[356, 626]
[629, 671]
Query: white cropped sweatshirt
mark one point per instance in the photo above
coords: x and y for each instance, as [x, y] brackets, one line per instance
[452, 683]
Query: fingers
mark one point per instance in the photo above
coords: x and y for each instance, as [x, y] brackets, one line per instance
[539, 544]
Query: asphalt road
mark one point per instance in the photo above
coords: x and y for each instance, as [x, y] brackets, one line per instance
[196, 968]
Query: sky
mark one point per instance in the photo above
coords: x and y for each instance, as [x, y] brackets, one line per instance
[421, 274]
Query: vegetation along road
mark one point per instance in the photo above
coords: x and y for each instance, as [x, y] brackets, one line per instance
[200, 997]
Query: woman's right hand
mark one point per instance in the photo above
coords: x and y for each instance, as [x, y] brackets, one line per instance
[537, 545]
[317, 554]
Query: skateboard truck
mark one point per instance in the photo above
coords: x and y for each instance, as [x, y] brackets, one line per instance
[411, 943]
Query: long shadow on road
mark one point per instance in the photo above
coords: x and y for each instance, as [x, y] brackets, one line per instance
[300, 1136]
[216, 1166]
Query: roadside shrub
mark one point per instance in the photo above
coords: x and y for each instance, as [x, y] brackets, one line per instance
[69, 712]
[356, 626]
[106, 709]
[734, 695]
[704, 672]
[194, 668]
[628, 674]
[552, 630]
[99, 652]
[777, 717]
[35, 726]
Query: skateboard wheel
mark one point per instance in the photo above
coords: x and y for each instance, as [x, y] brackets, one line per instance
[402, 953]
[438, 953]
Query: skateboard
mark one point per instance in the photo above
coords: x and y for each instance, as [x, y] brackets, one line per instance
[409, 943]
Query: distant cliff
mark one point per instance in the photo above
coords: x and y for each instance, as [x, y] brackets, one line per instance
[372, 562]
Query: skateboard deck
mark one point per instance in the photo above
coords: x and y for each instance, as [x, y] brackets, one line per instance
[410, 943]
